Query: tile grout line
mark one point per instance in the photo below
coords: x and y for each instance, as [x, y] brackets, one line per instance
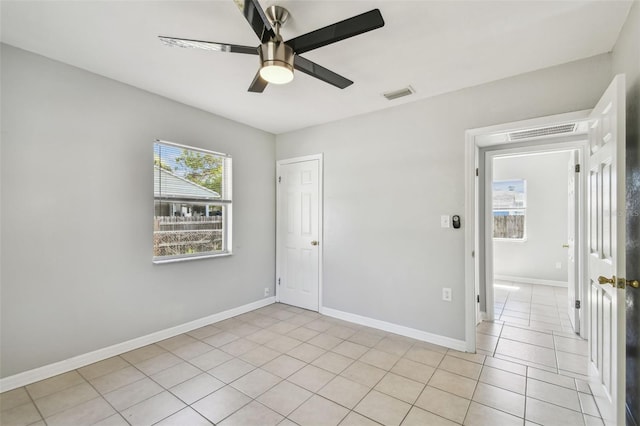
[350, 410]
[388, 371]
[102, 396]
[202, 372]
[312, 393]
[243, 375]
[475, 388]
[530, 303]
[526, 391]
[238, 378]
[33, 401]
[557, 372]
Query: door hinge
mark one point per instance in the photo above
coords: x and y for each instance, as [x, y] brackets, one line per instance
[477, 172]
[478, 298]
[577, 304]
[577, 168]
[473, 253]
[278, 281]
[279, 179]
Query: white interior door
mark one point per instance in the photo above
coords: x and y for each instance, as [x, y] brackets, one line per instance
[298, 232]
[607, 250]
[572, 243]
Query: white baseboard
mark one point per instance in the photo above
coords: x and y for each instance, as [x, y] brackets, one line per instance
[527, 280]
[44, 372]
[459, 345]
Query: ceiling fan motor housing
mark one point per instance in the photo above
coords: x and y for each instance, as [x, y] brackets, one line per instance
[276, 53]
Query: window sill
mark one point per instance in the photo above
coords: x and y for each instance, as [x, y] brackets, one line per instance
[511, 240]
[185, 259]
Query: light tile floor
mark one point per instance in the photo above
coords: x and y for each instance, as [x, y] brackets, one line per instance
[281, 365]
[533, 328]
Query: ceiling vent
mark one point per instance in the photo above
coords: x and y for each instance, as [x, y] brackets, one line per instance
[542, 132]
[399, 93]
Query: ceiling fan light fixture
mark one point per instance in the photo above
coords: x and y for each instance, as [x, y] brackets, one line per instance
[276, 59]
[276, 74]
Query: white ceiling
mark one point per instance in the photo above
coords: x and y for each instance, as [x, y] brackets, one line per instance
[434, 46]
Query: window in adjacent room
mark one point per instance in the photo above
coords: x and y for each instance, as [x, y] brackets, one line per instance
[509, 209]
[192, 202]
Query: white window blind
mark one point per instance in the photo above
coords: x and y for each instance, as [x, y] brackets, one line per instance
[192, 202]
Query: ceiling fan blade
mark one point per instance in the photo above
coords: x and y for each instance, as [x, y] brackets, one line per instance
[321, 73]
[254, 14]
[258, 84]
[339, 31]
[208, 45]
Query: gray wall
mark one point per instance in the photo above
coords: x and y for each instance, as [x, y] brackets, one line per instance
[77, 207]
[626, 59]
[546, 218]
[389, 175]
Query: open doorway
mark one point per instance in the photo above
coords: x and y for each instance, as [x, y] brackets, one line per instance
[529, 251]
[562, 138]
[534, 210]
[534, 234]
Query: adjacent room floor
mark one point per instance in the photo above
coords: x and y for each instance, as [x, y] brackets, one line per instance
[532, 327]
[283, 365]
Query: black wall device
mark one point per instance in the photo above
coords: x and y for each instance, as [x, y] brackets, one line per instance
[456, 221]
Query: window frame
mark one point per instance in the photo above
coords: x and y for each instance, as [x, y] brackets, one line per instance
[523, 208]
[226, 204]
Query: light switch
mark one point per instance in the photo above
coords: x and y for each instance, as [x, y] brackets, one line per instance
[445, 221]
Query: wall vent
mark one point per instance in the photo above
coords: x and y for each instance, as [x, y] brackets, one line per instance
[399, 93]
[542, 132]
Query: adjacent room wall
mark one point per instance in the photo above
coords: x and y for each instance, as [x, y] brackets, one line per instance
[77, 208]
[389, 175]
[546, 220]
[626, 59]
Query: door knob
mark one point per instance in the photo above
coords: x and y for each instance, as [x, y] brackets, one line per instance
[314, 243]
[620, 282]
[605, 280]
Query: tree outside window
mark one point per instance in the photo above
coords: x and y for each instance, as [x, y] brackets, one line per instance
[192, 202]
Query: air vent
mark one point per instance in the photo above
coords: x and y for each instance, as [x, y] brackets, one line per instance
[542, 132]
[399, 93]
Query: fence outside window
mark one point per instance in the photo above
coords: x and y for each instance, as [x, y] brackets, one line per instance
[192, 202]
[509, 209]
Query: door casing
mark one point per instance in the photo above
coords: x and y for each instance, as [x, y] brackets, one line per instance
[478, 142]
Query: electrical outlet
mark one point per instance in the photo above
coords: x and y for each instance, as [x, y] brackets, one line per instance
[446, 294]
[445, 221]
[266, 292]
[558, 265]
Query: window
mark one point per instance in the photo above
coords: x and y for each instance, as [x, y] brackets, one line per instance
[192, 202]
[509, 209]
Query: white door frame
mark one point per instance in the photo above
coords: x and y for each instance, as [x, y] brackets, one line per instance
[576, 185]
[279, 164]
[477, 142]
[581, 145]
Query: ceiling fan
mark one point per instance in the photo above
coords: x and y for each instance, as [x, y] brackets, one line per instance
[279, 58]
